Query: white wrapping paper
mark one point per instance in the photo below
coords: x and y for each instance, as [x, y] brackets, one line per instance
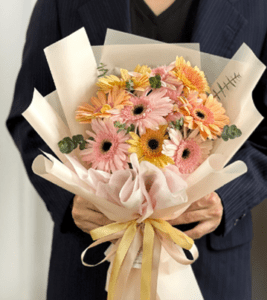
[73, 67]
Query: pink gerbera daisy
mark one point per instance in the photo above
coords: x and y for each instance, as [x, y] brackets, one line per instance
[187, 152]
[146, 112]
[109, 150]
[169, 83]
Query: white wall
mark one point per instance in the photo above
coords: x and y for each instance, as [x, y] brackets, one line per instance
[25, 225]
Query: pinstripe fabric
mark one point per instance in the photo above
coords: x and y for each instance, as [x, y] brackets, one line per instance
[221, 27]
[223, 275]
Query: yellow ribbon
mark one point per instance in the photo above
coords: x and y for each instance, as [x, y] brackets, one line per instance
[150, 225]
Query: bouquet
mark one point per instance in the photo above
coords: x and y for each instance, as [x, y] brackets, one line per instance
[142, 136]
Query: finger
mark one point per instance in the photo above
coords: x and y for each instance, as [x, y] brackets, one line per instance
[91, 206]
[87, 227]
[200, 230]
[96, 218]
[191, 217]
[87, 215]
[205, 202]
[84, 203]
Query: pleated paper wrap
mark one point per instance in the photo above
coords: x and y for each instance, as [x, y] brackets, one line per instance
[119, 196]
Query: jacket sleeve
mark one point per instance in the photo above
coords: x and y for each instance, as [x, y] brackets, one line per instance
[43, 30]
[241, 195]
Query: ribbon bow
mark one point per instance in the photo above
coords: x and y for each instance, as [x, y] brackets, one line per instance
[150, 229]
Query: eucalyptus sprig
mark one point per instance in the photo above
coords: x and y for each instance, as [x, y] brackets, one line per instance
[178, 124]
[130, 86]
[124, 127]
[102, 70]
[155, 82]
[231, 132]
[67, 145]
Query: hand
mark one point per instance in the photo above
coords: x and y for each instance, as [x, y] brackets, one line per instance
[208, 211]
[86, 216]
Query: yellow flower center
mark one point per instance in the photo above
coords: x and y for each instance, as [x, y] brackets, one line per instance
[105, 108]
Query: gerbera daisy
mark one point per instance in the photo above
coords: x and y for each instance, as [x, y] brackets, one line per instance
[174, 115]
[144, 69]
[109, 150]
[102, 104]
[169, 82]
[146, 111]
[149, 146]
[174, 95]
[206, 114]
[192, 78]
[140, 81]
[187, 152]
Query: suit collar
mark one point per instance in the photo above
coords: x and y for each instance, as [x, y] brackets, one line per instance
[217, 26]
[98, 15]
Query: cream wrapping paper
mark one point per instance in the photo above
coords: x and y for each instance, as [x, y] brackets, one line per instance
[73, 67]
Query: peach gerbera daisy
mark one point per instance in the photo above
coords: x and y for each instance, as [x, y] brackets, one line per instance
[146, 111]
[108, 151]
[192, 78]
[140, 81]
[205, 113]
[187, 152]
[102, 104]
[149, 147]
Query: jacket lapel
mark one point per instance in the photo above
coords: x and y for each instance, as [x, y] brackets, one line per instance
[98, 15]
[218, 27]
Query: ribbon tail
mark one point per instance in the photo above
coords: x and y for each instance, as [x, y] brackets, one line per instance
[176, 252]
[147, 259]
[122, 290]
[155, 267]
[111, 237]
[118, 260]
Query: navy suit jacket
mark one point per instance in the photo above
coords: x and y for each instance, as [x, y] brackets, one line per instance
[221, 26]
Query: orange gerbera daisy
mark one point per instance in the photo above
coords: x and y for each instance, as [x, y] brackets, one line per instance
[149, 146]
[102, 104]
[192, 78]
[206, 114]
[140, 81]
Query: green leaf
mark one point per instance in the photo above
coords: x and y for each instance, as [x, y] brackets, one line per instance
[231, 132]
[130, 85]
[78, 138]
[238, 133]
[82, 145]
[225, 137]
[66, 145]
[155, 82]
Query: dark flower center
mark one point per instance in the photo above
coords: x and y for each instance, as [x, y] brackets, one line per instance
[153, 144]
[200, 115]
[106, 146]
[186, 153]
[138, 109]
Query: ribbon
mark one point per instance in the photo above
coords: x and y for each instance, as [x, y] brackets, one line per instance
[126, 232]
